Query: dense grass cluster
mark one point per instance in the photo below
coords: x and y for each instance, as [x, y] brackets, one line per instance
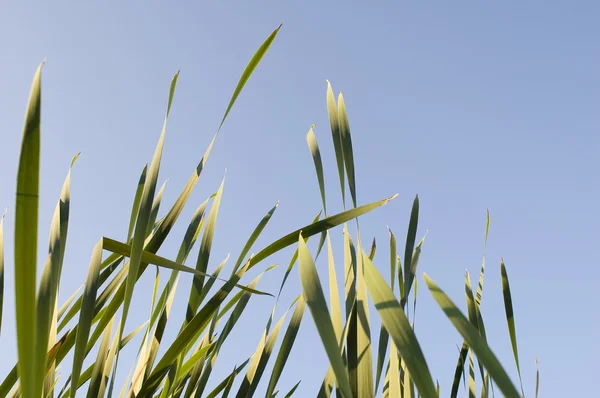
[94, 318]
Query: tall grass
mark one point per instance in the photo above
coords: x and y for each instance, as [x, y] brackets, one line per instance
[94, 318]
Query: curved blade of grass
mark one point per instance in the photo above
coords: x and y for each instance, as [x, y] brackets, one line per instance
[155, 208]
[293, 261]
[472, 387]
[365, 361]
[26, 225]
[475, 342]
[192, 361]
[1, 268]
[408, 251]
[459, 370]
[346, 141]
[47, 307]
[228, 381]
[313, 146]
[253, 237]
[98, 367]
[350, 270]
[537, 378]
[394, 372]
[510, 319]
[136, 202]
[259, 361]
[86, 316]
[143, 217]
[254, 61]
[399, 328]
[334, 297]
[286, 345]
[68, 302]
[332, 111]
[204, 255]
[383, 334]
[292, 390]
[213, 277]
[315, 299]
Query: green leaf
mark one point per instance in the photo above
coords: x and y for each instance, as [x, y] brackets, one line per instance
[316, 155]
[332, 110]
[259, 360]
[86, 315]
[286, 345]
[203, 256]
[254, 61]
[399, 329]
[136, 202]
[474, 340]
[47, 316]
[510, 319]
[97, 376]
[408, 252]
[394, 373]
[315, 299]
[537, 379]
[292, 390]
[346, 141]
[253, 237]
[226, 384]
[365, 361]
[25, 254]
[383, 334]
[459, 370]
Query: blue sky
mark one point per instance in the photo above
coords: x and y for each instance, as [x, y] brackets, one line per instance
[471, 106]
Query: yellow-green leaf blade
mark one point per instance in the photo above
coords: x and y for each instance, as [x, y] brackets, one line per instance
[474, 340]
[399, 329]
[26, 229]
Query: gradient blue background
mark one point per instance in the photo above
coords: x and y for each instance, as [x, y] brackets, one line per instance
[471, 106]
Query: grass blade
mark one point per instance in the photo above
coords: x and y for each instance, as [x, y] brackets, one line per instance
[286, 345]
[537, 379]
[365, 361]
[510, 319]
[86, 316]
[475, 342]
[136, 202]
[383, 334]
[408, 252]
[254, 61]
[399, 328]
[26, 227]
[346, 141]
[292, 390]
[394, 372]
[337, 139]
[96, 378]
[203, 256]
[316, 228]
[316, 155]
[315, 299]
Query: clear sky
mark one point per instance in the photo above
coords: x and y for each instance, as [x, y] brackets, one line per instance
[471, 106]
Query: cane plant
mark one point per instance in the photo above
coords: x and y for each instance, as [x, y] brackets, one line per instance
[73, 349]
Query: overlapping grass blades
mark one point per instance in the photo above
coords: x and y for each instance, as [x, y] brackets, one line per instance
[182, 364]
[406, 368]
